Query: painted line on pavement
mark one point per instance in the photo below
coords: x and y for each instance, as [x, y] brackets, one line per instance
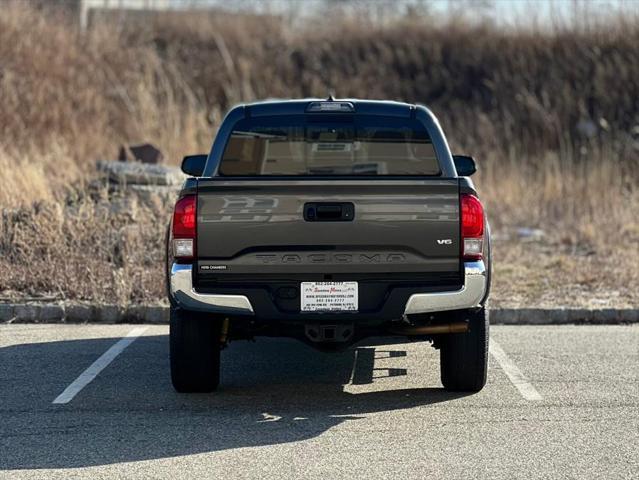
[513, 373]
[96, 367]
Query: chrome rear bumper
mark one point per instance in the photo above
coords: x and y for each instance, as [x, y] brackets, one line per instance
[470, 295]
[181, 283]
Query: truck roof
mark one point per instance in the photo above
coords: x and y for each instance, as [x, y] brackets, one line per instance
[300, 106]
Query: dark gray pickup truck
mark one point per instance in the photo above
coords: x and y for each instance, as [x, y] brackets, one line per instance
[329, 221]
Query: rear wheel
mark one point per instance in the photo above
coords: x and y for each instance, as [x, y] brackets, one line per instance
[464, 356]
[195, 351]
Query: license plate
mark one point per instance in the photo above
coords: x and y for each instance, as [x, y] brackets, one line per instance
[329, 296]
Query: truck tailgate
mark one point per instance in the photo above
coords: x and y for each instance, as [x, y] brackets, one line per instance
[262, 227]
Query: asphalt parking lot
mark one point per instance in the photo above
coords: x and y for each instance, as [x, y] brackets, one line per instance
[561, 402]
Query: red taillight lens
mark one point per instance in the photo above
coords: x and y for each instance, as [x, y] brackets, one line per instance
[184, 217]
[184, 225]
[472, 226]
[472, 213]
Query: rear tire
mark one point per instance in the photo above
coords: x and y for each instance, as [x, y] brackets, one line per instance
[464, 356]
[194, 351]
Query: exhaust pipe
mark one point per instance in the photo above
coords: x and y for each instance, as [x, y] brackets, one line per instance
[455, 327]
[224, 332]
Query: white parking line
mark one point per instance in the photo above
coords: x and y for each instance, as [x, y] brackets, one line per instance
[96, 367]
[513, 373]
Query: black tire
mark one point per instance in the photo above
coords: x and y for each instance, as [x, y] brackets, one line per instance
[194, 351]
[464, 356]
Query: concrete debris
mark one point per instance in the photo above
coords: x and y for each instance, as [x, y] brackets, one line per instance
[530, 234]
[587, 128]
[137, 173]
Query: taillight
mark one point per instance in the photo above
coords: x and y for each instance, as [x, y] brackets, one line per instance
[184, 223]
[472, 227]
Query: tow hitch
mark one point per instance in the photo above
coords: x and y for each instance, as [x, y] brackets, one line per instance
[329, 333]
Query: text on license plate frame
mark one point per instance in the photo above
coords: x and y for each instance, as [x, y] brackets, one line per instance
[329, 297]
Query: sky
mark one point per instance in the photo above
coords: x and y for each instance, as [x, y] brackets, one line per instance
[505, 12]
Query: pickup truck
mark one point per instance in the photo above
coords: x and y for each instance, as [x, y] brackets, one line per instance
[328, 221]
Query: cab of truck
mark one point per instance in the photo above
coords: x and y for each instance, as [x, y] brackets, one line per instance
[329, 221]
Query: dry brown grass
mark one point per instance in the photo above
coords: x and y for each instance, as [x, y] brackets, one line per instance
[101, 246]
[68, 100]
[513, 99]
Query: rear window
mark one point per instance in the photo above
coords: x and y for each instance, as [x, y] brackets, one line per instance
[329, 144]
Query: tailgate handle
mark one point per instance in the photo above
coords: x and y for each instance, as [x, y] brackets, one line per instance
[329, 212]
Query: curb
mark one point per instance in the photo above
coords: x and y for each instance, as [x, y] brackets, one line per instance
[563, 316]
[80, 313]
